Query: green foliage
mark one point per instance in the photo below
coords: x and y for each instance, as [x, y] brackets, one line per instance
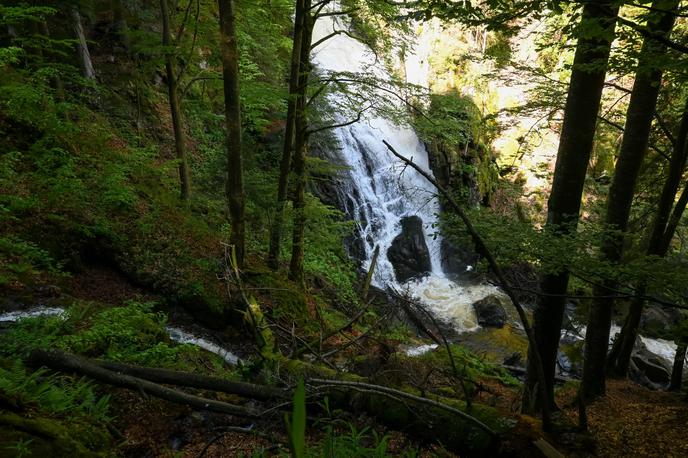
[59, 395]
[20, 260]
[472, 368]
[296, 426]
[452, 120]
[133, 333]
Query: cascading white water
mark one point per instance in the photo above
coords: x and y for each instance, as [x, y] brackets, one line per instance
[381, 191]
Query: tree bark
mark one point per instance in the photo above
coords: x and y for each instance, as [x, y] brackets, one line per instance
[300, 154]
[87, 70]
[639, 116]
[657, 245]
[61, 361]
[175, 109]
[575, 146]
[288, 148]
[235, 173]
[677, 371]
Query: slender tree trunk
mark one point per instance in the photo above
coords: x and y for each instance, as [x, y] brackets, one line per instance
[677, 371]
[120, 24]
[675, 218]
[175, 109]
[285, 163]
[575, 146]
[235, 173]
[87, 70]
[639, 117]
[657, 245]
[301, 152]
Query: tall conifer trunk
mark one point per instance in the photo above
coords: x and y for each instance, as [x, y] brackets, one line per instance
[300, 153]
[175, 109]
[575, 146]
[285, 163]
[639, 115]
[235, 173]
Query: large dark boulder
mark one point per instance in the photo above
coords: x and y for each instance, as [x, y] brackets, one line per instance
[408, 252]
[655, 368]
[490, 312]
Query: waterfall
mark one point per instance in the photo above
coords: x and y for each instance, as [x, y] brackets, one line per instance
[380, 191]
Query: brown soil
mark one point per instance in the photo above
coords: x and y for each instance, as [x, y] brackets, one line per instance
[633, 421]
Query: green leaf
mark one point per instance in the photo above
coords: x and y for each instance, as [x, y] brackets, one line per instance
[296, 428]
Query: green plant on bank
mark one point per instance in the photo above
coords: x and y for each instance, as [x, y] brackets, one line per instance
[55, 394]
[21, 448]
[471, 367]
[342, 439]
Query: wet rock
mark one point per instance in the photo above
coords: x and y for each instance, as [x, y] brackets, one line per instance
[490, 312]
[458, 261]
[648, 369]
[653, 367]
[408, 252]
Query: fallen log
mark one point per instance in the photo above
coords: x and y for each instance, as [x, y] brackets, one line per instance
[191, 380]
[404, 395]
[67, 362]
[433, 420]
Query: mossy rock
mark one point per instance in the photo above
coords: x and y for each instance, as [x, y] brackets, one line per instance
[494, 345]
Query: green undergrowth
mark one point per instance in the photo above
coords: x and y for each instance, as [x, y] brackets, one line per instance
[471, 366]
[51, 414]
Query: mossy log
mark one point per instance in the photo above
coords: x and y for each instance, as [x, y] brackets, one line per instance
[192, 380]
[48, 438]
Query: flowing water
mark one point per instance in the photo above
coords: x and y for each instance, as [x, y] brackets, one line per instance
[380, 191]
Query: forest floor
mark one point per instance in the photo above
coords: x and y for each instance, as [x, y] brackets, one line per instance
[630, 421]
[634, 421]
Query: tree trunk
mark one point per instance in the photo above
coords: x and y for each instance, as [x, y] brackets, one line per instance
[175, 109]
[301, 152]
[575, 146]
[87, 70]
[119, 24]
[285, 163]
[636, 136]
[657, 245]
[235, 173]
[677, 371]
